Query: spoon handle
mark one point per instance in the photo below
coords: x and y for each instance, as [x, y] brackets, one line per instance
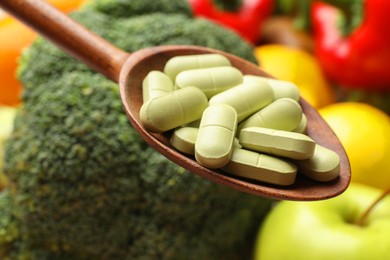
[69, 35]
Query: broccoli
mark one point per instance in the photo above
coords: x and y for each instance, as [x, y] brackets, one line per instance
[126, 8]
[84, 185]
[7, 115]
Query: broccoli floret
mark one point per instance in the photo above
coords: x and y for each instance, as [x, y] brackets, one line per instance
[126, 8]
[9, 231]
[85, 185]
[135, 33]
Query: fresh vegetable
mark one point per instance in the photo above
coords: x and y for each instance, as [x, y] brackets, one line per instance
[14, 37]
[83, 183]
[9, 230]
[360, 59]
[299, 67]
[290, 23]
[243, 16]
[300, 12]
[364, 132]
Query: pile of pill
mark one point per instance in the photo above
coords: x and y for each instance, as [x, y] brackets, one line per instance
[248, 126]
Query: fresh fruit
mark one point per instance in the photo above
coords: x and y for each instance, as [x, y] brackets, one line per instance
[14, 37]
[364, 132]
[7, 115]
[299, 67]
[328, 229]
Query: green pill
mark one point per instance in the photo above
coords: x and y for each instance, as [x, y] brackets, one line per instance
[261, 167]
[246, 98]
[236, 143]
[156, 84]
[215, 141]
[194, 124]
[284, 89]
[301, 128]
[277, 142]
[210, 80]
[282, 114]
[323, 166]
[178, 64]
[281, 88]
[184, 138]
[173, 109]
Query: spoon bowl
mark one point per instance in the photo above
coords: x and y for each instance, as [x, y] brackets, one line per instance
[142, 62]
[129, 70]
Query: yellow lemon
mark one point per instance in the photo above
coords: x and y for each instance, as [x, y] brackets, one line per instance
[364, 132]
[299, 67]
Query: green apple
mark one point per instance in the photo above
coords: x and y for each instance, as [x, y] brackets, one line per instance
[327, 229]
[7, 115]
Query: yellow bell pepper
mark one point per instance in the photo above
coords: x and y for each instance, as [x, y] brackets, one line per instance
[297, 66]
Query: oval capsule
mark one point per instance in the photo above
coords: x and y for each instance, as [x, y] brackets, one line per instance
[236, 143]
[277, 142]
[178, 64]
[301, 128]
[156, 84]
[284, 89]
[324, 165]
[261, 167]
[281, 88]
[184, 138]
[215, 141]
[173, 109]
[246, 98]
[282, 114]
[210, 80]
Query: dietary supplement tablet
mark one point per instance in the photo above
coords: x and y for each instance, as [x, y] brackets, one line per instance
[261, 167]
[178, 64]
[156, 84]
[210, 80]
[324, 165]
[173, 109]
[301, 128]
[277, 142]
[284, 89]
[281, 88]
[184, 138]
[282, 114]
[246, 98]
[215, 141]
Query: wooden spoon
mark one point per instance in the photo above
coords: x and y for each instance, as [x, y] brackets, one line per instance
[130, 69]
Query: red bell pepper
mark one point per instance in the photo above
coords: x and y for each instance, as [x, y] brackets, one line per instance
[245, 20]
[361, 59]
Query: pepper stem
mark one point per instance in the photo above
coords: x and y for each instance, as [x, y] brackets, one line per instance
[361, 221]
[228, 5]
